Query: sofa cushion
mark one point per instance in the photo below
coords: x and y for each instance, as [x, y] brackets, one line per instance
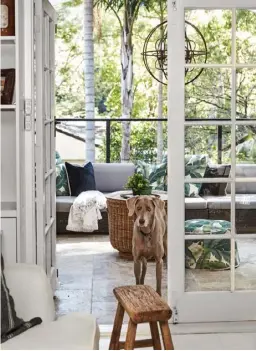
[58, 159]
[63, 203]
[215, 171]
[155, 173]
[195, 203]
[110, 177]
[244, 171]
[75, 331]
[243, 201]
[80, 178]
[195, 167]
[62, 183]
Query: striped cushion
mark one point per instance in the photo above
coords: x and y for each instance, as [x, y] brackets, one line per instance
[11, 324]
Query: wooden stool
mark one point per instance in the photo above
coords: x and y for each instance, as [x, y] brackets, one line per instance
[143, 305]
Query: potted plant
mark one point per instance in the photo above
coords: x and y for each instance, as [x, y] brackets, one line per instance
[139, 185]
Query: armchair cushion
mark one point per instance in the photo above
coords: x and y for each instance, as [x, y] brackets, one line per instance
[31, 291]
[11, 324]
[75, 331]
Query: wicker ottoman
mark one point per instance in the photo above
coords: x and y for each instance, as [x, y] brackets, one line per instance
[120, 225]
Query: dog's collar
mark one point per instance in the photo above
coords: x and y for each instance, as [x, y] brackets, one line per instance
[145, 234]
[152, 229]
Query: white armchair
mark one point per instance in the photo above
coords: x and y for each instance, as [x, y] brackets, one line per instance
[33, 297]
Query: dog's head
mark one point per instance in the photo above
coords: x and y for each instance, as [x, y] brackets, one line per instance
[145, 209]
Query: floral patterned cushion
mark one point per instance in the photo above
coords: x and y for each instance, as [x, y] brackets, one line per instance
[195, 166]
[213, 254]
[156, 174]
[62, 183]
[58, 159]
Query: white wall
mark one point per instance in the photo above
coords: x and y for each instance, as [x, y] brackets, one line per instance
[72, 150]
[69, 148]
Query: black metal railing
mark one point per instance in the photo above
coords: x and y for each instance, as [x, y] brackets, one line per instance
[108, 122]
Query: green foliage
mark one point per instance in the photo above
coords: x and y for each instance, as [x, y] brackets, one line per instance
[137, 183]
[69, 59]
[208, 96]
[69, 64]
[143, 142]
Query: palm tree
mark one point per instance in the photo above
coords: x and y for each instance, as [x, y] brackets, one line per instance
[89, 80]
[129, 10]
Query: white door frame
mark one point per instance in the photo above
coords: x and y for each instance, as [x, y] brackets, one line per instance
[45, 140]
[196, 306]
[29, 247]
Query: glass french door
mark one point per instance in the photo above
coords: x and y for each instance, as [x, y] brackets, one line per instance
[212, 160]
[45, 137]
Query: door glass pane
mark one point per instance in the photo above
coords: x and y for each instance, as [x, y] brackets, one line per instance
[245, 147]
[209, 96]
[246, 204]
[207, 264]
[246, 93]
[208, 36]
[207, 144]
[207, 212]
[48, 250]
[245, 273]
[48, 199]
[246, 36]
[208, 201]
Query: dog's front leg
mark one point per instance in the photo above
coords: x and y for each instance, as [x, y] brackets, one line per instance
[137, 270]
[144, 270]
[159, 267]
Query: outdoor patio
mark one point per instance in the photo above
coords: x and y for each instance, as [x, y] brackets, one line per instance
[89, 268]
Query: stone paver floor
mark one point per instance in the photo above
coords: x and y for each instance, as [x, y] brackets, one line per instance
[89, 268]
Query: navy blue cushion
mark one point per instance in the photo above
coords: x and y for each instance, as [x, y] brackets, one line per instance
[80, 178]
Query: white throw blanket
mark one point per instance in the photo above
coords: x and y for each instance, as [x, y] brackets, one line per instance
[85, 211]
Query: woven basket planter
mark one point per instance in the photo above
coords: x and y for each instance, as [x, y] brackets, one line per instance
[120, 225]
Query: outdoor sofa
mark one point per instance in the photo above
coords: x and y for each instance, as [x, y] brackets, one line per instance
[111, 177]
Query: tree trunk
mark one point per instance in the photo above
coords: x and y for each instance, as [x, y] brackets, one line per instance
[160, 143]
[126, 90]
[160, 136]
[89, 80]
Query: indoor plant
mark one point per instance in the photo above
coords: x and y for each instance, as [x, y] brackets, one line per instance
[139, 185]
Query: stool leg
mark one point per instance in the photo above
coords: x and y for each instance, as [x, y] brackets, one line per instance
[130, 336]
[166, 334]
[115, 336]
[155, 336]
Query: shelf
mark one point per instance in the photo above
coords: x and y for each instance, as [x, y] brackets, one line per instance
[8, 209]
[8, 107]
[7, 40]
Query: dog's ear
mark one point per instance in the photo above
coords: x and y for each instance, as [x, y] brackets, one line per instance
[158, 203]
[131, 205]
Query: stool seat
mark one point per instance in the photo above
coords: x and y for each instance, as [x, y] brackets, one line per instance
[142, 303]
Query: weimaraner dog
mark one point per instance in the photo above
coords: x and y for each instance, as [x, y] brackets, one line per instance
[149, 235]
